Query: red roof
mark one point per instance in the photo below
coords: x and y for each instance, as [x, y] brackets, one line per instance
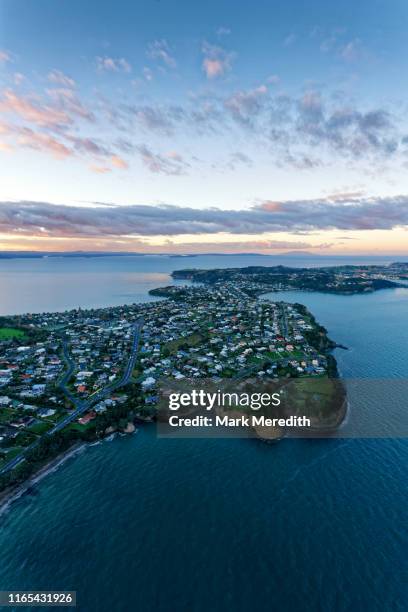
[86, 418]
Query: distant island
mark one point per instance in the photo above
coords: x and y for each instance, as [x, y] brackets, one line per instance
[305, 255]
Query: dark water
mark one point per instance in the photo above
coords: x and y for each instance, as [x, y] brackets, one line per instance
[142, 523]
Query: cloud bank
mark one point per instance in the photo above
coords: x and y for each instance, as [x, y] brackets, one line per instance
[100, 220]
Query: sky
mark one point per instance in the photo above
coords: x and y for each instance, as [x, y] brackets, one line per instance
[217, 126]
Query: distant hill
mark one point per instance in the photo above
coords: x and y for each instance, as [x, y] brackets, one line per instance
[40, 254]
[299, 254]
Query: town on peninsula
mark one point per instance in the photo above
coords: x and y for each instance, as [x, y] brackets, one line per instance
[81, 375]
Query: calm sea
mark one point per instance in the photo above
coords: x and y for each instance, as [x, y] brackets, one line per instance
[146, 524]
[60, 283]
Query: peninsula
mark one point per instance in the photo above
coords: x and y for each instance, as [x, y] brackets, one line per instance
[80, 375]
[345, 280]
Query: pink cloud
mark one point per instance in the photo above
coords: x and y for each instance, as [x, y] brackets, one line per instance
[100, 169]
[213, 68]
[4, 128]
[67, 100]
[43, 142]
[5, 147]
[216, 61]
[44, 116]
[118, 162]
[5, 56]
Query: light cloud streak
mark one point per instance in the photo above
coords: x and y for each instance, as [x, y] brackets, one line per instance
[110, 64]
[171, 163]
[59, 78]
[160, 50]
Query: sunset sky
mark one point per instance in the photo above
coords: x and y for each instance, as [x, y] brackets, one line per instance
[217, 126]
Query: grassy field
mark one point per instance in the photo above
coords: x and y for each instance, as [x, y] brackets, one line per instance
[277, 356]
[79, 427]
[322, 385]
[40, 428]
[312, 396]
[191, 341]
[7, 333]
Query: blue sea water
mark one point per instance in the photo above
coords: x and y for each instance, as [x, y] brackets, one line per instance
[143, 523]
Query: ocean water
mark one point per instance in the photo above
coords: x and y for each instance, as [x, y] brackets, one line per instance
[60, 283]
[142, 523]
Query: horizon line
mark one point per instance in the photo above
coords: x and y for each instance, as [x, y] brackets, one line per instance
[293, 253]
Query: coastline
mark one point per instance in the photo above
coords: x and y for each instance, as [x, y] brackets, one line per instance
[13, 493]
[10, 495]
[325, 345]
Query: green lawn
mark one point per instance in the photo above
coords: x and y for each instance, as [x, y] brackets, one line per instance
[7, 333]
[39, 428]
[78, 426]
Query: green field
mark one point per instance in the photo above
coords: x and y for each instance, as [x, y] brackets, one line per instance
[79, 427]
[277, 356]
[314, 397]
[321, 385]
[7, 333]
[39, 428]
[191, 341]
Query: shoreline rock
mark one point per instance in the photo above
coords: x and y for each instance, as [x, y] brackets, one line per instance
[130, 428]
